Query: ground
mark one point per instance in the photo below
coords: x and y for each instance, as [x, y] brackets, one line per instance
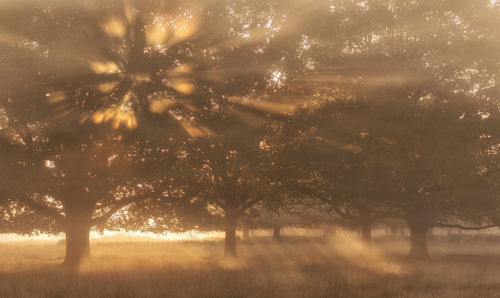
[293, 267]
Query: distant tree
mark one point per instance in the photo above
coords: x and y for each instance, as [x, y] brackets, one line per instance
[233, 173]
[393, 162]
[404, 95]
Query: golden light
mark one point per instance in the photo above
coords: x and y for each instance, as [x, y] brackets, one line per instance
[142, 77]
[49, 164]
[265, 105]
[181, 86]
[196, 130]
[97, 117]
[108, 67]
[190, 107]
[184, 29]
[157, 35]
[193, 131]
[4, 120]
[117, 115]
[107, 87]
[115, 28]
[160, 105]
[181, 69]
[129, 12]
[56, 96]
[166, 30]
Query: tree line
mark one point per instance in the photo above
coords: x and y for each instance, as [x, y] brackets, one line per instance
[171, 116]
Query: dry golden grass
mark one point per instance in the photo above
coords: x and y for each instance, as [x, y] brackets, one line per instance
[294, 267]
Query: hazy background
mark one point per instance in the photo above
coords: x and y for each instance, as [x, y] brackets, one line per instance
[336, 148]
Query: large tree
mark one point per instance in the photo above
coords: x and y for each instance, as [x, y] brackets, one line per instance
[74, 179]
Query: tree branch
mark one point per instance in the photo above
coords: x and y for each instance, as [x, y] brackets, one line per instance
[249, 204]
[467, 228]
[123, 203]
[344, 214]
[42, 209]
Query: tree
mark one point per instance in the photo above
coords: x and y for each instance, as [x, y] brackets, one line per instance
[233, 173]
[405, 91]
[77, 181]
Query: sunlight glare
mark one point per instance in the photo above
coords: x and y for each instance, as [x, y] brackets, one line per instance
[107, 87]
[157, 35]
[118, 115]
[181, 86]
[160, 105]
[181, 69]
[265, 105]
[183, 30]
[109, 67]
[195, 130]
[49, 164]
[115, 28]
[56, 97]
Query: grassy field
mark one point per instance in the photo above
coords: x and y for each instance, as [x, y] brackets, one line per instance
[293, 267]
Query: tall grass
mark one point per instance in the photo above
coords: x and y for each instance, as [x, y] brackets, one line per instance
[293, 267]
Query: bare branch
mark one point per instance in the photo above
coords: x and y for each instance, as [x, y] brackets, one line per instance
[467, 228]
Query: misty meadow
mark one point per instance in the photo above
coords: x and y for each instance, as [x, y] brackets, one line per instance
[250, 148]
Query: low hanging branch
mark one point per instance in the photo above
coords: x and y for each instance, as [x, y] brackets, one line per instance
[123, 203]
[248, 204]
[330, 202]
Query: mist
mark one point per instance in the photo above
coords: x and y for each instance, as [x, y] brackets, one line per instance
[232, 148]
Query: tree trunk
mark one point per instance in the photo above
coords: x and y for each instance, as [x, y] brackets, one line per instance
[418, 240]
[394, 232]
[230, 238]
[330, 232]
[77, 245]
[230, 243]
[276, 232]
[366, 237]
[246, 232]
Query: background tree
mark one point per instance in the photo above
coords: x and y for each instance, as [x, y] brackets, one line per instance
[233, 173]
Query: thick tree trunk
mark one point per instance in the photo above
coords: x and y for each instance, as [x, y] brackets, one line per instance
[276, 232]
[418, 239]
[230, 238]
[230, 243]
[366, 237]
[77, 245]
